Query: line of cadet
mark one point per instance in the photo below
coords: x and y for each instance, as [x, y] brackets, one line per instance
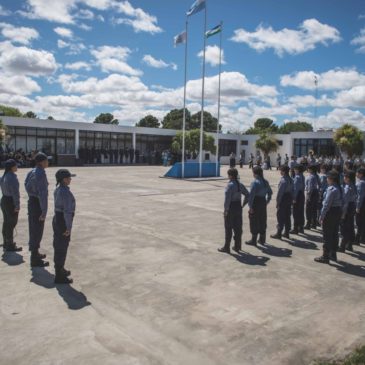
[36, 185]
[332, 200]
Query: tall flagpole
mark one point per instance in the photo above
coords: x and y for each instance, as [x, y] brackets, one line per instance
[202, 106]
[184, 112]
[219, 95]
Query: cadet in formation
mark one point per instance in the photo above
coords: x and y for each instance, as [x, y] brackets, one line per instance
[312, 189]
[65, 206]
[10, 205]
[360, 207]
[284, 199]
[298, 200]
[36, 185]
[233, 211]
[259, 198]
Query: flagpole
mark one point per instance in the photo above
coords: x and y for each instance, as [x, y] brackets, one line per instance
[202, 106]
[184, 112]
[219, 94]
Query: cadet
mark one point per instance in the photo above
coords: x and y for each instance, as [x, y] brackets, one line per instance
[10, 205]
[36, 185]
[284, 199]
[322, 187]
[259, 198]
[360, 206]
[65, 205]
[312, 188]
[348, 212]
[298, 200]
[330, 218]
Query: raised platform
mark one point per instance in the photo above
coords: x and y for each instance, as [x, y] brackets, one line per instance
[209, 169]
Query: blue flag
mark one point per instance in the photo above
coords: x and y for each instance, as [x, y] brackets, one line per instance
[198, 5]
[180, 38]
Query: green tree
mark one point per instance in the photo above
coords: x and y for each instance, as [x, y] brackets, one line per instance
[106, 118]
[148, 121]
[210, 122]
[174, 119]
[350, 140]
[30, 114]
[192, 142]
[267, 143]
[9, 111]
[263, 125]
[295, 127]
[2, 131]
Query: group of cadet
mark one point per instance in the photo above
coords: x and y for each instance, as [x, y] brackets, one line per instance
[332, 199]
[36, 185]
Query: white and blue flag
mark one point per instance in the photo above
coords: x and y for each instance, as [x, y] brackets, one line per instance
[198, 5]
[180, 38]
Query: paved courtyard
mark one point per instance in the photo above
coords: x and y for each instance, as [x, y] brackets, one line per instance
[151, 288]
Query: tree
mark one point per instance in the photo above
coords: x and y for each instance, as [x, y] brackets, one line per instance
[174, 119]
[148, 121]
[192, 142]
[106, 118]
[267, 143]
[50, 117]
[210, 122]
[350, 140]
[30, 114]
[9, 111]
[2, 131]
[263, 125]
[295, 127]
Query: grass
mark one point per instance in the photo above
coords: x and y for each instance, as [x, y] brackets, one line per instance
[355, 358]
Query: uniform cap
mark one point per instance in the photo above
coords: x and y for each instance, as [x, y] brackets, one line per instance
[40, 156]
[62, 174]
[10, 163]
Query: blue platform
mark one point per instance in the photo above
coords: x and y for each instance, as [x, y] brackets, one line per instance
[209, 169]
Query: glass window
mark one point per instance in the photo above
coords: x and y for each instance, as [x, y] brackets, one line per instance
[70, 146]
[61, 133]
[41, 132]
[31, 131]
[82, 134]
[61, 145]
[21, 143]
[31, 143]
[244, 143]
[226, 147]
[51, 133]
[70, 134]
[20, 131]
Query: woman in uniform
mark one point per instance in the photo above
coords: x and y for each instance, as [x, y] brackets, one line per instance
[10, 205]
[259, 198]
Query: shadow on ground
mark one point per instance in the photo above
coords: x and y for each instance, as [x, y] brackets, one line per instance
[248, 259]
[346, 267]
[275, 251]
[12, 258]
[73, 298]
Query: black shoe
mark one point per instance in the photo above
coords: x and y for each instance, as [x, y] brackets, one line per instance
[38, 263]
[333, 256]
[276, 236]
[301, 230]
[286, 235]
[251, 243]
[224, 249]
[307, 226]
[66, 272]
[13, 248]
[262, 239]
[62, 279]
[322, 260]
[294, 231]
[39, 255]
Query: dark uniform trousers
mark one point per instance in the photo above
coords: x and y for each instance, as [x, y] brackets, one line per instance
[284, 212]
[348, 225]
[36, 227]
[360, 223]
[233, 223]
[311, 208]
[258, 219]
[60, 242]
[10, 219]
[331, 225]
[298, 210]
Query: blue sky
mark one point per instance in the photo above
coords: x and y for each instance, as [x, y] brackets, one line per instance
[73, 59]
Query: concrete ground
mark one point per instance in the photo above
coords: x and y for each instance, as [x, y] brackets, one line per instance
[151, 288]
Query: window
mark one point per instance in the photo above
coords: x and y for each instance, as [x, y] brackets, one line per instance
[244, 143]
[280, 143]
[226, 147]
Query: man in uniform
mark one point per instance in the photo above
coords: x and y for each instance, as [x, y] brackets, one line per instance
[360, 206]
[298, 200]
[312, 189]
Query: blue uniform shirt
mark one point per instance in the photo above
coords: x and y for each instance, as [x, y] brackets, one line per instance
[10, 187]
[298, 186]
[349, 196]
[36, 185]
[233, 193]
[332, 199]
[322, 183]
[312, 183]
[285, 187]
[360, 194]
[260, 188]
[64, 202]
[292, 164]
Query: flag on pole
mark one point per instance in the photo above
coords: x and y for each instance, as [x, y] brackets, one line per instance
[198, 5]
[180, 38]
[213, 31]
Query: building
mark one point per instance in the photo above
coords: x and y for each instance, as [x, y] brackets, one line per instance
[64, 140]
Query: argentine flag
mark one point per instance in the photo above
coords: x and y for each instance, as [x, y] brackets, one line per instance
[198, 5]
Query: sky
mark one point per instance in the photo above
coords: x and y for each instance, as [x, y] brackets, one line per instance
[74, 59]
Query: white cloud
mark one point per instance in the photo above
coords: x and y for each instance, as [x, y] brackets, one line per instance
[336, 79]
[85, 14]
[113, 59]
[212, 55]
[310, 33]
[153, 62]
[26, 61]
[360, 41]
[18, 85]
[337, 117]
[63, 32]
[23, 35]
[355, 97]
[73, 47]
[4, 12]
[78, 66]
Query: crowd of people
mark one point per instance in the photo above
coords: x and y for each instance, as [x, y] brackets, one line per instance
[331, 196]
[22, 158]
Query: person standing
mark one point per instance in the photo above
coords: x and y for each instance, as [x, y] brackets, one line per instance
[322, 187]
[298, 200]
[330, 218]
[233, 211]
[10, 205]
[65, 206]
[286, 160]
[360, 207]
[259, 198]
[232, 160]
[348, 212]
[284, 201]
[251, 161]
[36, 185]
[312, 190]
[278, 161]
[292, 164]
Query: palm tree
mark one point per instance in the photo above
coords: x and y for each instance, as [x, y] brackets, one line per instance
[267, 143]
[350, 140]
